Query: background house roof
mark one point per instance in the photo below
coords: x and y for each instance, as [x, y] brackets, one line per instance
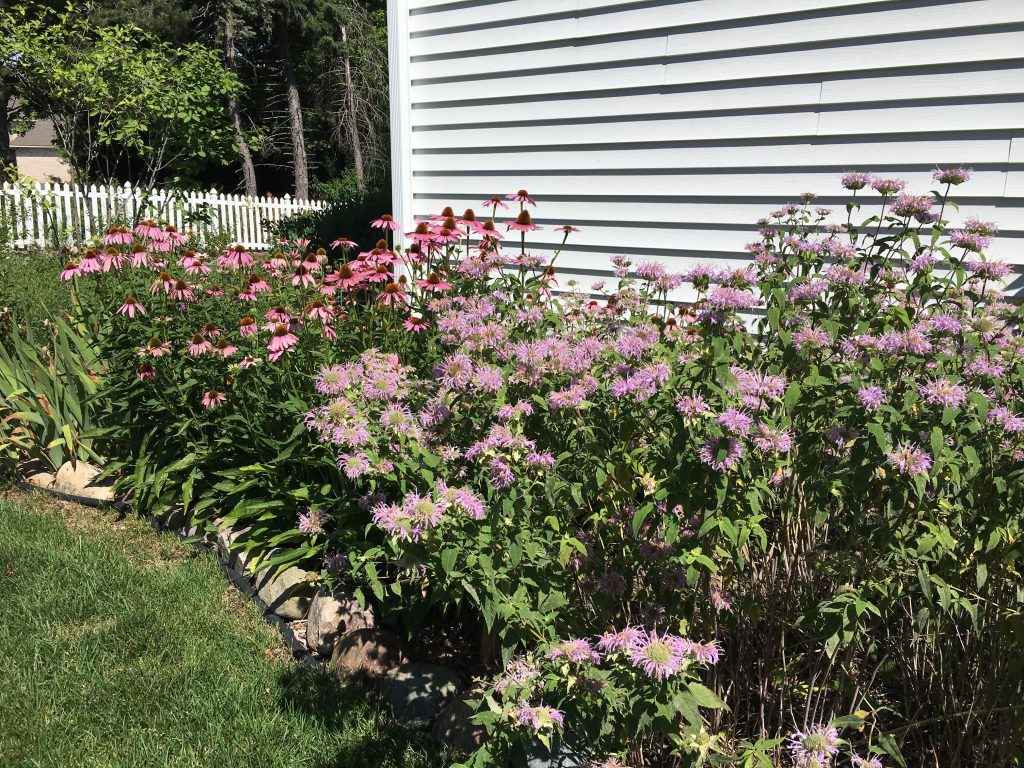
[40, 135]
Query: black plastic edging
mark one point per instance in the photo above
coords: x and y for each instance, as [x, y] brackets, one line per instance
[299, 651]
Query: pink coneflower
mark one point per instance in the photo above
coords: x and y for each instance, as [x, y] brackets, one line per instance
[235, 257]
[164, 282]
[225, 348]
[348, 278]
[281, 339]
[566, 228]
[199, 345]
[213, 399]
[378, 274]
[257, 284]
[415, 324]
[146, 372]
[385, 222]
[113, 259]
[180, 291]
[195, 266]
[523, 223]
[344, 243]
[248, 327]
[71, 270]
[90, 262]
[421, 233]
[140, 258]
[320, 311]
[489, 229]
[149, 229]
[131, 307]
[156, 348]
[211, 330]
[278, 314]
[434, 283]
[117, 236]
[522, 196]
[495, 202]
[173, 236]
[392, 294]
[302, 276]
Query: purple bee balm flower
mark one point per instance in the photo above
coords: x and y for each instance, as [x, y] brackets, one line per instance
[871, 398]
[856, 761]
[816, 747]
[772, 440]
[811, 338]
[910, 460]
[735, 420]
[887, 186]
[623, 640]
[312, 521]
[333, 380]
[354, 465]
[911, 205]
[456, 372]
[500, 473]
[979, 227]
[659, 656]
[952, 176]
[990, 270]
[576, 651]
[855, 180]
[726, 298]
[970, 241]
[721, 453]
[539, 718]
[692, 405]
[943, 392]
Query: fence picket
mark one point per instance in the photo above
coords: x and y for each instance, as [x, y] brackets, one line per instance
[73, 212]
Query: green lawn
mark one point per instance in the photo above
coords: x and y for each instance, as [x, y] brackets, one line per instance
[119, 647]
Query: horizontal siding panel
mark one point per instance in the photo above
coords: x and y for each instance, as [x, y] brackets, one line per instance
[857, 59]
[556, 43]
[845, 156]
[844, 122]
[827, 93]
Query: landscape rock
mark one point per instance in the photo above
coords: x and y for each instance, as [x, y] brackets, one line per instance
[417, 692]
[78, 478]
[226, 539]
[200, 532]
[331, 616]
[43, 480]
[287, 594]
[366, 654]
[559, 756]
[454, 728]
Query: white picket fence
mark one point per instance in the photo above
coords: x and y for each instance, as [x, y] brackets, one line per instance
[40, 214]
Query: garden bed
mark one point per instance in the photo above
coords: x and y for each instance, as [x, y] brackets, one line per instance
[657, 530]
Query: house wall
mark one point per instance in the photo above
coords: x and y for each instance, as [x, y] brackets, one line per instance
[665, 129]
[41, 164]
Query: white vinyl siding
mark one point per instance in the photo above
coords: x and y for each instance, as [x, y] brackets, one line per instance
[665, 128]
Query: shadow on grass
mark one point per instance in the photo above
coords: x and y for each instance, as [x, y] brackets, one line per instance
[371, 738]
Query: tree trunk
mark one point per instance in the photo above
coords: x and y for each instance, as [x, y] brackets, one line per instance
[299, 161]
[352, 127]
[6, 155]
[231, 63]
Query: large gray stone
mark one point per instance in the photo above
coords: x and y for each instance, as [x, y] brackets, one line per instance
[559, 756]
[417, 692]
[330, 617]
[78, 478]
[366, 654]
[454, 727]
[287, 594]
[227, 539]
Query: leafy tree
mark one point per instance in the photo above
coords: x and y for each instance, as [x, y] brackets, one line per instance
[123, 103]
